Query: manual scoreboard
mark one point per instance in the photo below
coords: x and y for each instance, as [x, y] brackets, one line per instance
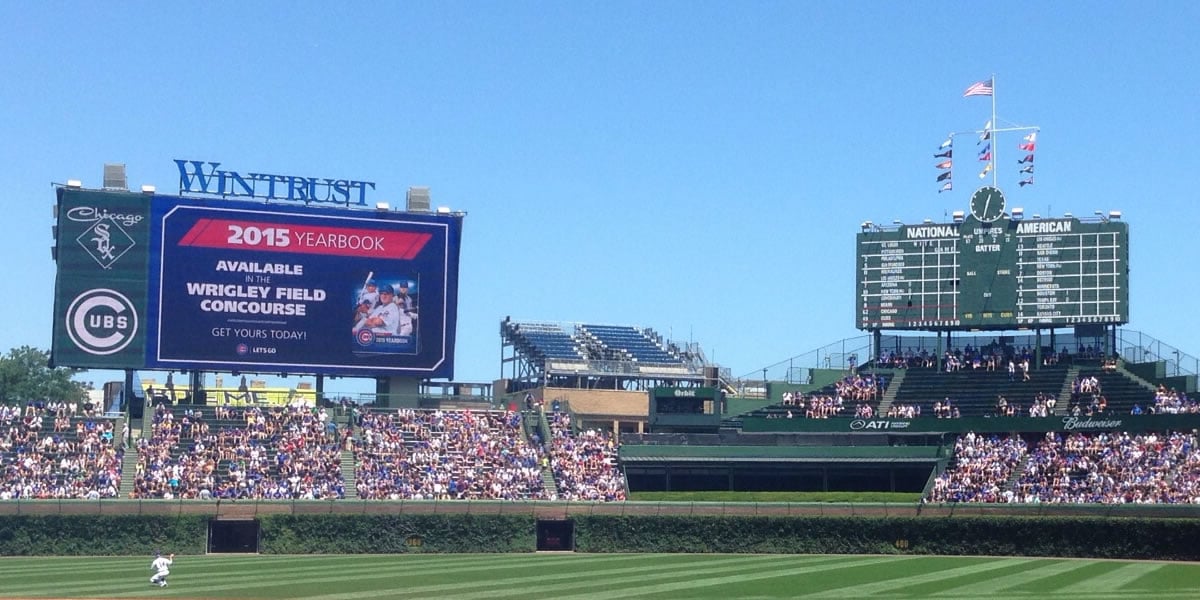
[997, 274]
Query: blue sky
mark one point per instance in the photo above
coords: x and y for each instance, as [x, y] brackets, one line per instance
[697, 167]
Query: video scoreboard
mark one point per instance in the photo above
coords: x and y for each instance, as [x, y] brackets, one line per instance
[1001, 274]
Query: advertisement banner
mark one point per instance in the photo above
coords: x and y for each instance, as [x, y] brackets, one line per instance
[102, 246]
[153, 281]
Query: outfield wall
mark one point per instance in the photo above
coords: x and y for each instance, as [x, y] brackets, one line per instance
[1055, 536]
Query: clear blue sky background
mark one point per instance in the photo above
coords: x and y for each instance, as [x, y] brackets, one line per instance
[698, 167]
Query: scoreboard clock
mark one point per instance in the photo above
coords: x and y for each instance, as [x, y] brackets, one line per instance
[993, 271]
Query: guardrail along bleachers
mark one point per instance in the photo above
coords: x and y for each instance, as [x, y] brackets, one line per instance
[542, 341]
[975, 391]
[622, 342]
[54, 454]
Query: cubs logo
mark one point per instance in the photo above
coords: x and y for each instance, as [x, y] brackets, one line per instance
[101, 321]
[365, 337]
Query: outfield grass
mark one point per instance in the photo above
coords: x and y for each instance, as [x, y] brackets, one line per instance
[585, 576]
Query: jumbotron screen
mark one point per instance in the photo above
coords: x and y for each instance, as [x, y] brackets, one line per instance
[182, 283]
[999, 275]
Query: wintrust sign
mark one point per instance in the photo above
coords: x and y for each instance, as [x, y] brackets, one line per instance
[199, 177]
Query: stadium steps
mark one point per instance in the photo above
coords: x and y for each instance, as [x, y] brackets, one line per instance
[1063, 407]
[1014, 478]
[348, 480]
[548, 481]
[128, 472]
[893, 388]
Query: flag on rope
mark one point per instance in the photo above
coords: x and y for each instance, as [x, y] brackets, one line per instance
[1028, 159]
[980, 88]
[985, 156]
[987, 133]
[986, 149]
[947, 154]
[949, 185]
[1027, 169]
[1025, 182]
[1032, 137]
[944, 176]
[948, 142]
[985, 171]
[946, 164]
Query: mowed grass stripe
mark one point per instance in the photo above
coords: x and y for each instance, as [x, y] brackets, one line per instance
[534, 578]
[377, 572]
[1119, 575]
[698, 577]
[920, 584]
[644, 575]
[692, 585]
[180, 571]
[1009, 583]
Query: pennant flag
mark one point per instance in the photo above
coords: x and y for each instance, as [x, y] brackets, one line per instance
[1025, 182]
[985, 156]
[1028, 169]
[1032, 137]
[1027, 146]
[945, 164]
[1028, 159]
[949, 141]
[947, 187]
[985, 171]
[944, 176]
[986, 149]
[981, 88]
[947, 154]
[987, 133]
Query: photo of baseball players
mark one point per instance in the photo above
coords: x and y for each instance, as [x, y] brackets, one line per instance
[385, 313]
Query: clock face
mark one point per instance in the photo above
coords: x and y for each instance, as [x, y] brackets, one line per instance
[987, 204]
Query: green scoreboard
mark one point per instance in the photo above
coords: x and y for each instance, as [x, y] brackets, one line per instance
[1002, 273]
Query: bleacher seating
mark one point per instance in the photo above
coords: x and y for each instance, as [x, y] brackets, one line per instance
[254, 453]
[446, 455]
[49, 452]
[623, 342]
[542, 341]
[1120, 391]
[976, 391]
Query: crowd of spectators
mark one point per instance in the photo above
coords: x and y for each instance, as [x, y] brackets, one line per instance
[945, 409]
[584, 464]
[78, 461]
[1172, 402]
[443, 455]
[982, 464]
[283, 452]
[1113, 468]
[903, 411]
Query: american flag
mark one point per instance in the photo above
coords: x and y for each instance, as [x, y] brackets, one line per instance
[982, 88]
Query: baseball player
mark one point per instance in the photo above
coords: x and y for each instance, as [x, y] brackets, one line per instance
[161, 567]
[385, 317]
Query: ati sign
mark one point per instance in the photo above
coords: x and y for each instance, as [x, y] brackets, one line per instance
[874, 425]
[200, 177]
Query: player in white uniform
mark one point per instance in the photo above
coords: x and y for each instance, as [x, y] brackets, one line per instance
[161, 566]
[384, 318]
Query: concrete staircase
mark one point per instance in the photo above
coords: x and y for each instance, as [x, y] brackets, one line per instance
[893, 388]
[1064, 395]
[348, 479]
[128, 472]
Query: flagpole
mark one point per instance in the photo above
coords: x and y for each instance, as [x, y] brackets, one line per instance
[995, 145]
